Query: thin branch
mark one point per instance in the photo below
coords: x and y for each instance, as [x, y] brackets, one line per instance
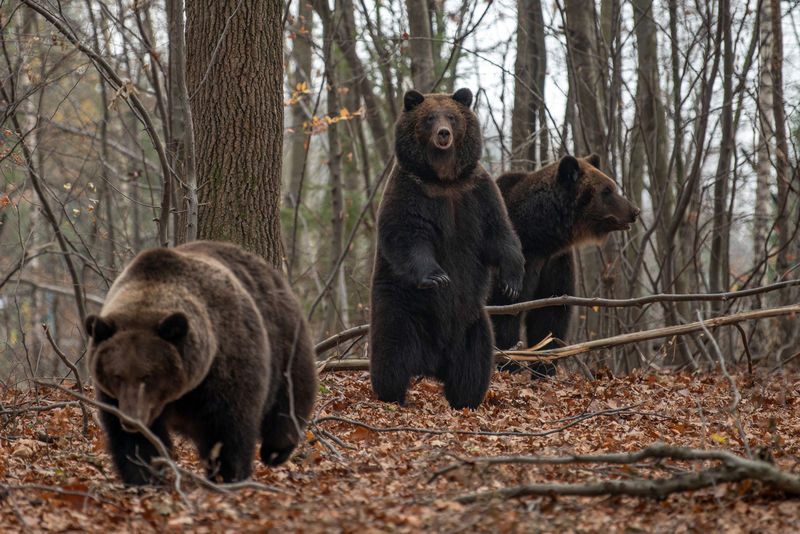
[74, 371]
[734, 468]
[566, 300]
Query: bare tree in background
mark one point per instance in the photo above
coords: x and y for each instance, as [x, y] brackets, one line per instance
[529, 74]
[420, 45]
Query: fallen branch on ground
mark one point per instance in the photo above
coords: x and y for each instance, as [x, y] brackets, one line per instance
[532, 355]
[566, 300]
[733, 469]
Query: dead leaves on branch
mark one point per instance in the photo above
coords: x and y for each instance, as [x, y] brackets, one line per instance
[368, 465]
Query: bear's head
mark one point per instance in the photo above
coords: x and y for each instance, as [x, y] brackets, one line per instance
[437, 137]
[140, 363]
[599, 207]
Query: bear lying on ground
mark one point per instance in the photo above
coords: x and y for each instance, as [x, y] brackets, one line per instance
[441, 226]
[554, 209]
[207, 340]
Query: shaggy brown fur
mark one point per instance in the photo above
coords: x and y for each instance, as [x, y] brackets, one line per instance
[441, 227]
[555, 209]
[200, 339]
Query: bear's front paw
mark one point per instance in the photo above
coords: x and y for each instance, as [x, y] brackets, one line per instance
[435, 279]
[511, 288]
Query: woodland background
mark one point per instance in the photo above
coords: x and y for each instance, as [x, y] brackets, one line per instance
[127, 125]
[124, 129]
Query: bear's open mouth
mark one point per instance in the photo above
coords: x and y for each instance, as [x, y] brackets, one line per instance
[443, 145]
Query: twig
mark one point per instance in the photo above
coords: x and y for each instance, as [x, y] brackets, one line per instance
[746, 349]
[734, 468]
[74, 370]
[16, 411]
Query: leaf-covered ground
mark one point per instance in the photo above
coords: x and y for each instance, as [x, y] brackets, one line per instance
[348, 478]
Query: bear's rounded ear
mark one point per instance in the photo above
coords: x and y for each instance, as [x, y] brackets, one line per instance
[412, 99]
[463, 96]
[174, 327]
[569, 170]
[98, 328]
[593, 159]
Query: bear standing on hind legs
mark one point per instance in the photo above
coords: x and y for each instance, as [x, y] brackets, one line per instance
[555, 209]
[207, 340]
[441, 226]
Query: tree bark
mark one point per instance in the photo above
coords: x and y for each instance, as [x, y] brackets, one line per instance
[182, 145]
[420, 45]
[719, 268]
[786, 186]
[761, 210]
[299, 138]
[585, 75]
[234, 63]
[339, 294]
[529, 71]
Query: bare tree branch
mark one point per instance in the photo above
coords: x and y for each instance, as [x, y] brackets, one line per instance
[733, 469]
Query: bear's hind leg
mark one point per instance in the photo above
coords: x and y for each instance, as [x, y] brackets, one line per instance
[469, 367]
[395, 354]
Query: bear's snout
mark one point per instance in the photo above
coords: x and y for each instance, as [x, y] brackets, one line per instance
[444, 137]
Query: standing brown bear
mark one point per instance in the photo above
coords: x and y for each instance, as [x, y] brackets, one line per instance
[554, 209]
[441, 226]
[208, 340]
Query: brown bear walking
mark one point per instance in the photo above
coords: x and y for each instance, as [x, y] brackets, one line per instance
[208, 340]
[554, 209]
[441, 226]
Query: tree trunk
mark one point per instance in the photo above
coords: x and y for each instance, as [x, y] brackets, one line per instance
[786, 196]
[338, 292]
[719, 269]
[346, 39]
[585, 75]
[598, 265]
[761, 211]
[299, 138]
[234, 58]
[181, 127]
[529, 70]
[420, 45]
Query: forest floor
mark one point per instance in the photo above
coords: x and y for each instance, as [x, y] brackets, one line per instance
[349, 478]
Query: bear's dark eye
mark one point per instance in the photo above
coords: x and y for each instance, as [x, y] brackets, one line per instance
[607, 191]
[451, 117]
[429, 119]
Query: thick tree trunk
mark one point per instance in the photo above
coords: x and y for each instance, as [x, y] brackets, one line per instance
[235, 77]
